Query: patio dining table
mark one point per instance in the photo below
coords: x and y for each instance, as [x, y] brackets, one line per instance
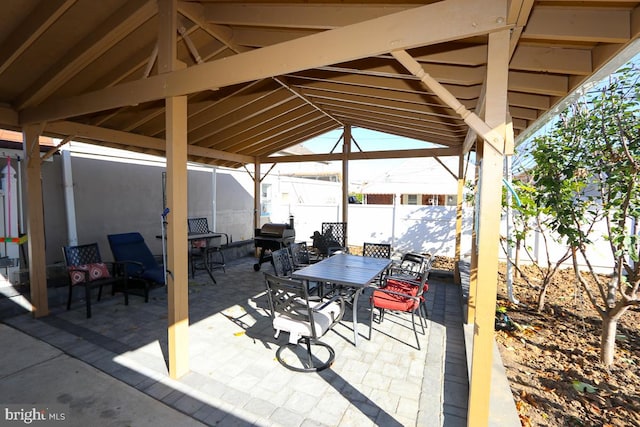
[210, 239]
[352, 271]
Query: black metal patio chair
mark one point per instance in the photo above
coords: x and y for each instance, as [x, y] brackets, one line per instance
[306, 322]
[203, 250]
[87, 269]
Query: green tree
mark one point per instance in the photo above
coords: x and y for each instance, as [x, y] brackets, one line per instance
[529, 217]
[587, 170]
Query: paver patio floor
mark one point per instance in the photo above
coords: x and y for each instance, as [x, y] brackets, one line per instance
[234, 378]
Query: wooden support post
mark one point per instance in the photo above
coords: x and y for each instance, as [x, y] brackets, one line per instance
[257, 184]
[473, 268]
[177, 245]
[490, 201]
[459, 211]
[35, 221]
[346, 151]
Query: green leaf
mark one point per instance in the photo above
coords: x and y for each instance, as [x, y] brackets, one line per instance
[583, 387]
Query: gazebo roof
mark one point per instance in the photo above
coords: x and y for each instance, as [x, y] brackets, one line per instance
[261, 76]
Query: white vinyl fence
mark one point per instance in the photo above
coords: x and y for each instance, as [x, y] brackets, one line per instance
[419, 229]
[408, 228]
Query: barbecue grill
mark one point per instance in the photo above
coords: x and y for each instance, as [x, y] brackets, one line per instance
[271, 237]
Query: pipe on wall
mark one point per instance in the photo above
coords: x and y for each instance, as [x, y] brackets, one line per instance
[69, 200]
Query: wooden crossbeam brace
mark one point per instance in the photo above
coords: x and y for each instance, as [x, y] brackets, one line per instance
[493, 138]
[55, 149]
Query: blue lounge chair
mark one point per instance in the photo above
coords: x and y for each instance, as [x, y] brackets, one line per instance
[140, 264]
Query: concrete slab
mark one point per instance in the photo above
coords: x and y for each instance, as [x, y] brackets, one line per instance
[34, 374]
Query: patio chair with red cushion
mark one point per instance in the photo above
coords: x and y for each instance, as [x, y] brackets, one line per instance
[411, 268]
[400, 296]
[86, 269]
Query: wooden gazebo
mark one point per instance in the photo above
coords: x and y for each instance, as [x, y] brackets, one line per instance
[231, 83]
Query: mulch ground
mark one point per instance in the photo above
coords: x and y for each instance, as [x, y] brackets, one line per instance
[552, 357]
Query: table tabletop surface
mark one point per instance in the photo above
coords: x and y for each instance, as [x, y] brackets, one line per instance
[344, 269]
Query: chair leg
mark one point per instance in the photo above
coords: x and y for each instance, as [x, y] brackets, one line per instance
[371, 321]
[125, 290]
[69, 299]
[415, 331]
[422, 320]
[222, 262]
[309, 355]
[87, 297]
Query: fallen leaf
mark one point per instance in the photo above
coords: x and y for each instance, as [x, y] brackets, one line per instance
[583, 387]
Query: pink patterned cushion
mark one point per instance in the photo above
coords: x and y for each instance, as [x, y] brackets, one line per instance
[94, 271]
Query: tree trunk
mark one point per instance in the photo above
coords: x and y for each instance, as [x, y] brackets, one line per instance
[608, 340]
[517, 260]
[609, 329]
[543, 294]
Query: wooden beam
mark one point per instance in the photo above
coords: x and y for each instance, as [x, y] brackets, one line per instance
[583, 24]
[538, 83]
[364, 155]
[445, 73]
[479, 126]
[489, 210]
[446, 20]
[65, 128]
[55, 149]
[403, 101]
[35, 221]
[470, 56]
[558, 60]
[365, 82]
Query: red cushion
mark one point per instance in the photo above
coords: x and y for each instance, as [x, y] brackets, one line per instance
[408, 288]
[395, 302]
[199, 244]
[79, 273]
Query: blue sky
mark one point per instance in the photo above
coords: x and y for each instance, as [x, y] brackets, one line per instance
[368, 140]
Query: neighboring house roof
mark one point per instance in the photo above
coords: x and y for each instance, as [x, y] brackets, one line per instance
[16, 137]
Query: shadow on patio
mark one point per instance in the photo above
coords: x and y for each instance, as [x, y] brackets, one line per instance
[235, 378]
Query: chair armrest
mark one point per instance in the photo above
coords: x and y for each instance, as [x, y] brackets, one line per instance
[133, 263]
[116, 268]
